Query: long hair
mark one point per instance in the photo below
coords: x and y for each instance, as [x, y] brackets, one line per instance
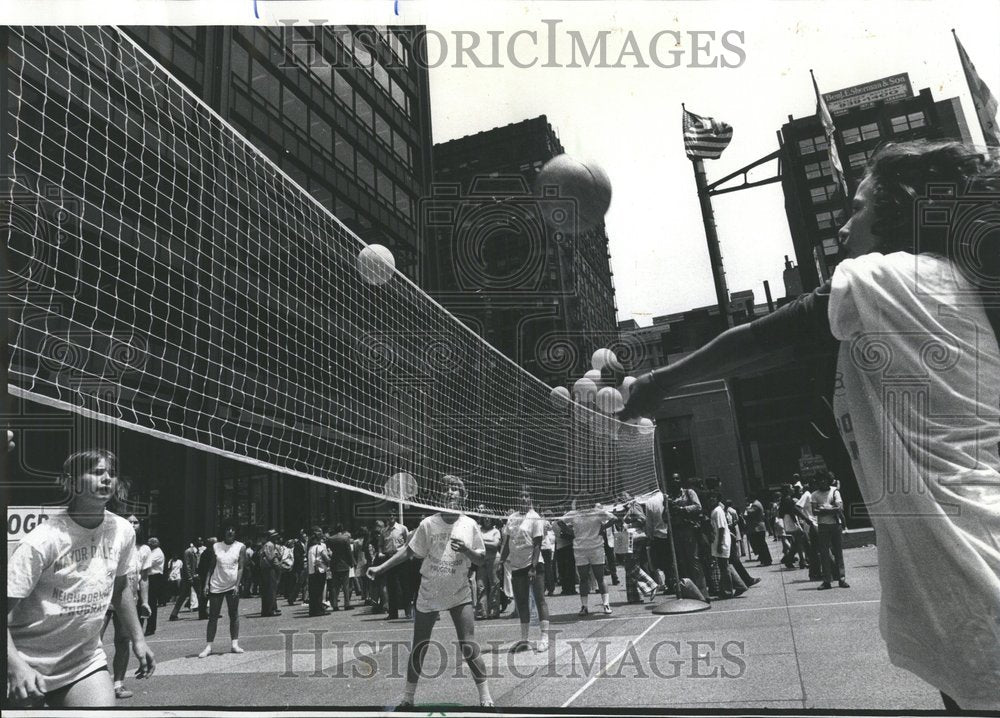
[941, 198]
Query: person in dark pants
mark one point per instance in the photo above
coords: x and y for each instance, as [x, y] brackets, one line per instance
[565, 560]
[341, 563]
[270, 568]
[827, 506]
[299, 567]
[317, 564]
[757, 529]
[394, 538]
[189, 570]
[685, 518]
[658, 540]
[204, 564]
[549, 555]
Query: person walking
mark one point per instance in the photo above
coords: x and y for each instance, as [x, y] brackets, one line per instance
[317, 565]
[269, 566]
[225, 571]
[757, 528]
[341, 565]
[189, 573]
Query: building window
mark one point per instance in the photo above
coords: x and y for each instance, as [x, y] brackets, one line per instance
[402, 148]
[362, 54]
[858, 160]
[815, 170]
[240, 62]
[363, 111]
[831, 247]
[853, 135]
[266, 85]
[826, 220]
[343, 151]
[910, 121]
[295, 109]
[812, 144]
[342, 89]
[823, 193]
[384, 186]
[319, 130]
[400, 97]
[383, 131]
[366, 170]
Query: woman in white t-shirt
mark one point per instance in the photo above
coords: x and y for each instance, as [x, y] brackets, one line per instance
[222, 582]
[588, 550]
[450, 544]
[913, 319]
[60, 581]
[521, 550]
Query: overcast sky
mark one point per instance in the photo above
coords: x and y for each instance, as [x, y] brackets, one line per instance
[629, 118]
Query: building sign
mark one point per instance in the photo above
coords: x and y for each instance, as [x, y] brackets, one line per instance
[888, 89]
[21, 520]
[809, 466]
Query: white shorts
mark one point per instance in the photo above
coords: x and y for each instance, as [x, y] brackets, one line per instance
[593, 557]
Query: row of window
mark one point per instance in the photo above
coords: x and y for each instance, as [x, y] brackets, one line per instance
[862, 133]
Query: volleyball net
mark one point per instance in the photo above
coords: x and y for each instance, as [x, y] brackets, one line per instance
[168, 277]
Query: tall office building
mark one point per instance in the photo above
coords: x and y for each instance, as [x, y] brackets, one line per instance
[866, 116]
[345, 112]
[514, 263]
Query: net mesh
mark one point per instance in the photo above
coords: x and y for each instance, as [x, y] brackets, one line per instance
[168, 277]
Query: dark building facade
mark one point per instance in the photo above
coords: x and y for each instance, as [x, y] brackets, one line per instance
[345, 113]
[866, 116]
[511, 260]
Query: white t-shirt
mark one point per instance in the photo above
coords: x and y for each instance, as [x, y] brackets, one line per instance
[445, 582]
[656, 527]
[829, 497]
[522, 530]
[804, 502]
[157, 561]
[549, 539]
[175, 570]
[719, 521]
[64, 575]
[227, 566]
[919, 383]
[493, 536]
[144, 559]
[586, 525]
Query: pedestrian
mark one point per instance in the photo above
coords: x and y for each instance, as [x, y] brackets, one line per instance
[341, 565]
[174, 566]
[658, 541]
[757, 528]
[588, 551]
[564, 559]
[317, 565]
[793, 520]
[61, 579]
[486, 572]
[299, 567]
[225, 572]
[269, 567]
[917, 301]
[289, 579]
[685, 507]
[730, 584]
[827, 506]
[450, 544]
[189, 573]
[811, 537]
[122, 644]
[549, 555]
[733, 520]
[361, 563]
[204, 561]
[394, 538]
[157, 562]
[522, 550]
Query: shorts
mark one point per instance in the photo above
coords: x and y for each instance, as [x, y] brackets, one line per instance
[593, 557]
[40, 701]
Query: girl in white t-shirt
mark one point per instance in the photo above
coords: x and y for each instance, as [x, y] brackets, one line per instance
[225, 572]
[522, 548]
[588, 550]
[450, 544]
[60, 581]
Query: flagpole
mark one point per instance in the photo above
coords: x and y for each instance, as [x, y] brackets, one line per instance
[974, 92]
[712, 239]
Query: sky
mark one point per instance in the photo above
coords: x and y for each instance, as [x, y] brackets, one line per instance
[628, 119]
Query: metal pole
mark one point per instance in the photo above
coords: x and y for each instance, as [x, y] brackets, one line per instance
[677, 604]
[712, 238]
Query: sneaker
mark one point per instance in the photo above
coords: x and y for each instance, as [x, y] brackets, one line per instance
[174, 618]
[843, 584]
[542, 645]
[607, 610]
[520, 646]
[823, 586]
[583, 611]
[753, 582]
[404, 705]
[121, 692]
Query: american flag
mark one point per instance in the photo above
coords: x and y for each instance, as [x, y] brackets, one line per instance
[704, 137]
[985, 103]
[836, 166]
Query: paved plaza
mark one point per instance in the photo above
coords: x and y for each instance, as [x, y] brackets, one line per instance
[781, 645]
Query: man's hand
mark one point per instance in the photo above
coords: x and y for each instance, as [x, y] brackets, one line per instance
[23, 681]
[372, 573]
[147, 664]
[458, 545]
[643, 397]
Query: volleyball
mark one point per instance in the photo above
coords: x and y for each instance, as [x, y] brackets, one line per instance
[609, 400]
[376, 264]
[584, 182]
[559, 397]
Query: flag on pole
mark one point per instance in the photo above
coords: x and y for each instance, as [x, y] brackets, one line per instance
[836, 166]
[984, 101]
[704, 137]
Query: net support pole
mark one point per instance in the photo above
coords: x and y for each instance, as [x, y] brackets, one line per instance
[677, 604]
[712, 238]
